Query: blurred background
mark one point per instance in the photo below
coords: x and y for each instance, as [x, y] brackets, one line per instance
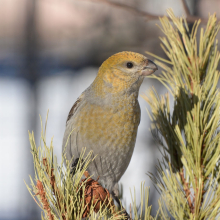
[50, 51]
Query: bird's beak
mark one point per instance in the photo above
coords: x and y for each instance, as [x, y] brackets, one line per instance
[149, 68]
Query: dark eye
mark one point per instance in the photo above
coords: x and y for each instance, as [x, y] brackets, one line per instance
[130, 65]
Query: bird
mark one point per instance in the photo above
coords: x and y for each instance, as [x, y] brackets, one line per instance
[105, 118]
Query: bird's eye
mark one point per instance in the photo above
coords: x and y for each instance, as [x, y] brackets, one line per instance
[130, 65]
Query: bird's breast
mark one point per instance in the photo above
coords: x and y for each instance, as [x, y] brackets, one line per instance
[110, 132]
[109, 127]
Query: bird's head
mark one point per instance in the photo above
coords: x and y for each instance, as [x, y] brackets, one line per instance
[123, 72]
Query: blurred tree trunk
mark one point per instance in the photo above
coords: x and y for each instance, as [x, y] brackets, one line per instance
[31, 74]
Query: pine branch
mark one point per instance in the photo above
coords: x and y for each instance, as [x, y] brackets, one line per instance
[64, 196]
[192, 128]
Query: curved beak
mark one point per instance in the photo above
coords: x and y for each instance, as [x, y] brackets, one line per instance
[149, 68]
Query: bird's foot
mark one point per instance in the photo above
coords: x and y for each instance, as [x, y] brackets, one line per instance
[75, 164]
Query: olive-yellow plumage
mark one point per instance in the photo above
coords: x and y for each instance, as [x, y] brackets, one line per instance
[106, 116]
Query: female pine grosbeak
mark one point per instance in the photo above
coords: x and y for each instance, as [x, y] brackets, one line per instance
[106, 116]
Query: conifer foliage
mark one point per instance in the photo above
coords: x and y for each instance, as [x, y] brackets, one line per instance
[188, 126]
[185, 125]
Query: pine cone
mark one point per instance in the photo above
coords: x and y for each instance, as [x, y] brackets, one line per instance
[95, 195]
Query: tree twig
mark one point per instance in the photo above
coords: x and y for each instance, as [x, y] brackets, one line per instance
[149, 16]
[187, 191]
[129, 8]
[185, 7]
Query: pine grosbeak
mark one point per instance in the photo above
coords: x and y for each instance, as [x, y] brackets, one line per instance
[106, 116]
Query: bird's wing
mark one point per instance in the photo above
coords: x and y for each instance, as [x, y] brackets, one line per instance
[75, 107]
[70, 134]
